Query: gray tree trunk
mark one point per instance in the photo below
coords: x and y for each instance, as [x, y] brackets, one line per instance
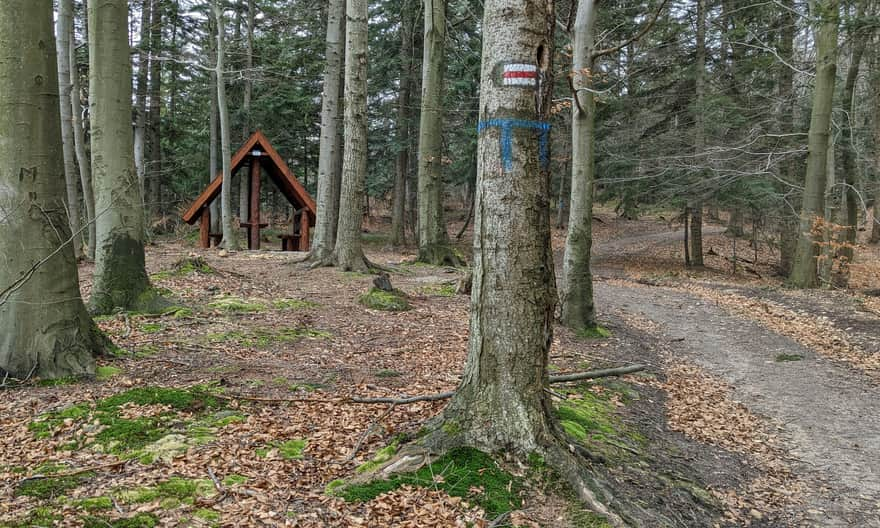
[785, 125]
[230, 231]
[64, 28]
[348, 253]
[45, 330]
[324, 238]
[875, 87]
[501, 405]
[214, 125]
[578, 310]
[803, 272]
[140, 128]
[120, 278]
[398, 212]
[433, 239]
[244, 183]
[154, 123]
[79, 142]
[695, 205]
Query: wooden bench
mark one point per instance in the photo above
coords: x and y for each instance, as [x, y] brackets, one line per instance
[289, 242]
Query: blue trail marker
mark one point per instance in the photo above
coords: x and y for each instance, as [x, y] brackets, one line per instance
[507, 125]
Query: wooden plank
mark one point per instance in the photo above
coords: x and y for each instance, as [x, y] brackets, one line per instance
[205, 228]
[304, 231]
[254, 216]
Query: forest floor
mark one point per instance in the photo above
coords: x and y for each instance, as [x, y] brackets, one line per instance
[235, 409]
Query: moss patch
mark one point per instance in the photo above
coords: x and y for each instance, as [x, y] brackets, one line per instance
[174, 490]
[50, 487]
[265, 337]
[42, 517]
[95, 503]
[234, 480]
[440, 290]
[289, 450]
[589, 418]
[141, 520]
[393, 301]
[106, 372]
[236, 305]
[462, 472]
[595, 332]
[781, 358]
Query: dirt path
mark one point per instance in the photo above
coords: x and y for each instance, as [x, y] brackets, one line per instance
[826, 411]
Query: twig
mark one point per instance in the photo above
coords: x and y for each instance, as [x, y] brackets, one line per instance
[593, 374]
[73, 473]
[498, 520]
[366, 433]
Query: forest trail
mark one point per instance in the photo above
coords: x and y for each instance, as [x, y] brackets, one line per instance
[826, 410]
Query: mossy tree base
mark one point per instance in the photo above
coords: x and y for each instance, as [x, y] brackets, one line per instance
[441, 255]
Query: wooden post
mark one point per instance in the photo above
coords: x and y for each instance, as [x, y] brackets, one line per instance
[205, 228]
[254, 220]
[304, 231]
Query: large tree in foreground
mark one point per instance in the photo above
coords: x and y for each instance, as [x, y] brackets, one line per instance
[803, 273]
[348, 253]
[44, 328]
[331, 120]
[120, 275]
[501, 404]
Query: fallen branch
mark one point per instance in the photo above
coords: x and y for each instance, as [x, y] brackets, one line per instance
[593, 374]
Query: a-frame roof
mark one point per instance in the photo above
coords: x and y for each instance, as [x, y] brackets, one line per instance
[275, 168]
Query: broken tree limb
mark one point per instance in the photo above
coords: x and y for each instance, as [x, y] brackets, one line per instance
[593, 374]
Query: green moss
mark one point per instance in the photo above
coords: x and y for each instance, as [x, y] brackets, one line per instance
[151, 328]
[50, 487]
[440, 290]
[382, 300]
[180, 399]
[236, 305]
[334, 487]
[595, 332]
[292, 449]
[581, 518]
[106, 372]
[45, 425]
[95, 503]
[788, 357]
[207, 515]
[387, 373]
[152, 301]
[265, 337]
[57, 382]
[188, 265]
[179, 312]
[451, 427]
[176, 488]
[462, 472]
[591, 419]
[42, 517]
[293, 304]
[140, 520]
[383, 455]
[234, 480]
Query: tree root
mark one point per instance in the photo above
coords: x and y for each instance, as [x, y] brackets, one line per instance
[441, 255]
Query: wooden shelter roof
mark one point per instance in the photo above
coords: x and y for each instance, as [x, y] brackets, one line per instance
[275, 168]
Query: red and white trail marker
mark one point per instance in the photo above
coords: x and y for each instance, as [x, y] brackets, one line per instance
[520, 75]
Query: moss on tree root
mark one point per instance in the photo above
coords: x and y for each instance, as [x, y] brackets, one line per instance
[441, 255]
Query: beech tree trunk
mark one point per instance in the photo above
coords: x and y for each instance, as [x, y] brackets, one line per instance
[398, 212]
[45, 330]
[348, 253]
[79, 142]
[154, 123]
[787, 225]
[140, 107]
[120, 278]
[875, 84]
[244, 183]
[324, 238]
[433, 239]
[803, 272]
[578, 309]
[230, 231]
[214, 125]
[64, 28]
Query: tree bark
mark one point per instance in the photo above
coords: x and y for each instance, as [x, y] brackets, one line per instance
[787, 225]
[230, 231]
[398, 212]
[214, 125]
[348, 253]
[79, 142]
[154, 123]
[578, 309]
[803, 272]
[433, 239]
[64, 28]
[695, 204]
[324, 238]
[244, 185]
[140, 127]
[850, 219]
[120, 278]
[45, 330]
[875, 86]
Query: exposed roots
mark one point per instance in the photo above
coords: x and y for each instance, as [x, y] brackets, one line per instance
[441, 255]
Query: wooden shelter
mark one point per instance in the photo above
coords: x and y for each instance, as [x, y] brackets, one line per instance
[258, 155]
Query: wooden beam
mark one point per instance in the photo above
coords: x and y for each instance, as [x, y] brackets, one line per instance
[304, 231]
[254, 216]
[205, 228]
